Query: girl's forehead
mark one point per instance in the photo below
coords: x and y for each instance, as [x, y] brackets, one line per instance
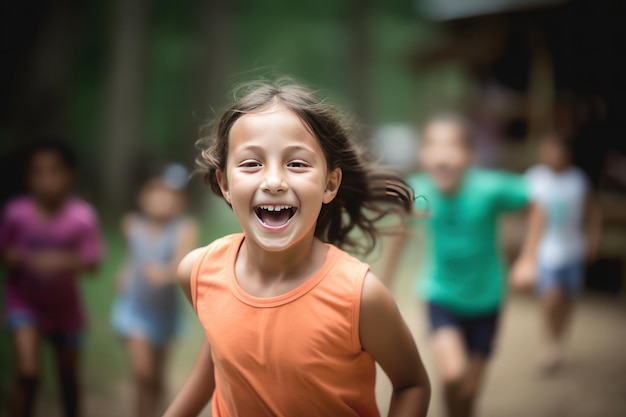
[275, 114]
[47, 156]
[47, 160]
[271, 107]
[274, 126]
[159, 185]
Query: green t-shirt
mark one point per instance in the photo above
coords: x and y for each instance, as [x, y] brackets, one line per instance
[463, 269]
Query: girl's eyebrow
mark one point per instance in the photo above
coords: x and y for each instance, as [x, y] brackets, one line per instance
[294, 148]
[261, 149]
[253, 148]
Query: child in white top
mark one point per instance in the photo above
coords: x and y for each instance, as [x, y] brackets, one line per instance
[570, 236]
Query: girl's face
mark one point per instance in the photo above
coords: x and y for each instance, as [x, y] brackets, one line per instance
[49, 179]
[555, 155]
[160, 202]
[276, 178]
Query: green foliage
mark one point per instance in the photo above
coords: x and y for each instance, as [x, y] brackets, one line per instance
[312, 41]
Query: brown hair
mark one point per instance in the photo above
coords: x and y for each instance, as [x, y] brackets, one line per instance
[366, 194]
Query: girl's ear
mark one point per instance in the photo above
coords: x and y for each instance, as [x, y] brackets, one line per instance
[332, 185]
[222, 181]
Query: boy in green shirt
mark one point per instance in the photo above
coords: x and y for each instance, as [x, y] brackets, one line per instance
[463, 276]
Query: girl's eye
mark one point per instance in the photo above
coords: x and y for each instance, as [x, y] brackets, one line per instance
[249, 164]
[297, 164]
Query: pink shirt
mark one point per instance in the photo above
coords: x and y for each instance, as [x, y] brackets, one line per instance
[51, 299]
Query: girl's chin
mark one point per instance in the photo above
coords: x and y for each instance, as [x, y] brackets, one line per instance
[273, 244]
[277, 242]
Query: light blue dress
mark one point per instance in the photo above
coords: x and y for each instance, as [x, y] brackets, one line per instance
[145, 309]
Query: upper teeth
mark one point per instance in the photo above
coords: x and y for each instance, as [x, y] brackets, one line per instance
[274, 208]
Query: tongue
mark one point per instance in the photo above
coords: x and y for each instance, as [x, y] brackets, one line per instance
[275, 218]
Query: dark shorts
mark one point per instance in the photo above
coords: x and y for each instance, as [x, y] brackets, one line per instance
[59, 339]
[478, 331]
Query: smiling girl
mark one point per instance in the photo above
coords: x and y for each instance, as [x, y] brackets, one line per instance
[294, 324]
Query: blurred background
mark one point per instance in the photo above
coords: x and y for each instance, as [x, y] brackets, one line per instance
[132, 81]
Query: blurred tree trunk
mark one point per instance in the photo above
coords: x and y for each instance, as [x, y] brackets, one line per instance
[215, 20]
[359, 64]
[40, 96]
[123, 114]
[217, 34]
[541, 89]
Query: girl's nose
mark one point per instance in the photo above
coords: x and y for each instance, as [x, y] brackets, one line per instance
[274, 182]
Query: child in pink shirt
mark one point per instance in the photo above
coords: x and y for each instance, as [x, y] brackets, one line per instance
[47, 239]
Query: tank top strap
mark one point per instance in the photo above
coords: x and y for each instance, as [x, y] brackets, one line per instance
[212, 259]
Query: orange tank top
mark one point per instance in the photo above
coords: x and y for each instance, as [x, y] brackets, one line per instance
[297, 354]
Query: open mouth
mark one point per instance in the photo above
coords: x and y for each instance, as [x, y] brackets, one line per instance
[275, 215]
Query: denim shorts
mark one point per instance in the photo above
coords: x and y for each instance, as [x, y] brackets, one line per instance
[59, 339]
[568, 278]
[478, 331]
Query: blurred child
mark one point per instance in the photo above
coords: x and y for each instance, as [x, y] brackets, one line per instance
[463, 277]
[295, 325]
[47, 239]
[571, 236]
[146, 311]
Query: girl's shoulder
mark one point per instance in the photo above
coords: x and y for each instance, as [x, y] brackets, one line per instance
[345, 267]
[225, 243]
[81, 211]
[18, 207]
[216, 250]
[343, 257]
[214, 255]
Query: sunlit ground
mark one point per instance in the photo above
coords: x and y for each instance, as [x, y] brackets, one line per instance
[591, 384]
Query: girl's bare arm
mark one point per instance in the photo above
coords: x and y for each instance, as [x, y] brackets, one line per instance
[524, 270]
[197, 390]
[394, 249]
[184, 273]
[200, 384]
[385, 335]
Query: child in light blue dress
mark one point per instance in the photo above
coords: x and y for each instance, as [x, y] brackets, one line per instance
[146, 309]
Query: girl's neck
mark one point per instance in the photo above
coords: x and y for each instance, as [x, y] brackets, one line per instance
[155, 224]
[296, 263]
[49, 209]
